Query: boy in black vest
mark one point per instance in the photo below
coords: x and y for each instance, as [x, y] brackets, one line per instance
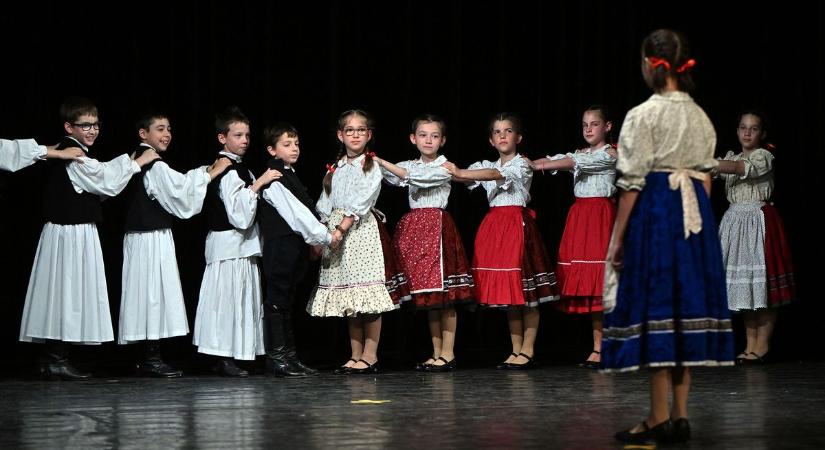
[151, 305]
[287, 220]
[67, 300]
[228, 320]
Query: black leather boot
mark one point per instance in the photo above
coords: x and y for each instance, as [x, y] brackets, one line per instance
[54, 363]
[226, 367]
[278, 361]
[152, 365]
[289, 343]
[278, 364]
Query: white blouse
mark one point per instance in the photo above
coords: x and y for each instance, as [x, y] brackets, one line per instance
[428, 182]
[296, 215]
[353, 190]
[594, 173]
[756, 185]
[241, 204]
[668, 131]
[514, 189]
[20, 153]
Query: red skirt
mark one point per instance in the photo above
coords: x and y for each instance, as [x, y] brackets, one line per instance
[510, 263]
[582, 253]
[778, 262]
[396, 282]
[431, 253]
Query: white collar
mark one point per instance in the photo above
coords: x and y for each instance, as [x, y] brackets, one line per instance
[85, 149]
[230, 155]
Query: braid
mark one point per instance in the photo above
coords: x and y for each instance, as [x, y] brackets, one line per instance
[328, 176]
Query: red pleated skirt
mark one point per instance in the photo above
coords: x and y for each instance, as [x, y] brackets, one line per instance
[778, 261]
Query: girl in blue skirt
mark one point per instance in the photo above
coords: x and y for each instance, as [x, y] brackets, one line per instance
[670, 309]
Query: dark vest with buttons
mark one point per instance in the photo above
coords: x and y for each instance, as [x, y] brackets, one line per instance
[63, 205]
[272, 225]
[216, 218]
[144, 213]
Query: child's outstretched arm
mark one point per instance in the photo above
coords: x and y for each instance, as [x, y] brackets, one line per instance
[731, 167]
[562, 163]
[470, 175]
[399, 172]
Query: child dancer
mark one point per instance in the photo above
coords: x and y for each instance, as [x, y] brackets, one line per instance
[427, 242]
[756, 252]
[511, 268]
[671, 309]
[580, 268]
[228, 320]
[67, 300]
[151, 305]
[353, 277]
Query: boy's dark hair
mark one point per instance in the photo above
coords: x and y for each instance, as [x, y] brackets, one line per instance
[513, 118]
[230, 115]
[672, 47]
[147, 118]
[429, 118]
[74, 107]
[273, 132]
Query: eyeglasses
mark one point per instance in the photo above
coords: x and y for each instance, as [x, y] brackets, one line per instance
[88, 126]
[354, 131]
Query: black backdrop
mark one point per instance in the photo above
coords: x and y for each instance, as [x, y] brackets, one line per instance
[305, 63]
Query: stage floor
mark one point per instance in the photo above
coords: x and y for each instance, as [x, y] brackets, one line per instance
[766, 407]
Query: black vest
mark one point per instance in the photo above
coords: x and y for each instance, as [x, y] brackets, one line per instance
[63, 205]
[216, 218]
[272, 225]
[144, 213]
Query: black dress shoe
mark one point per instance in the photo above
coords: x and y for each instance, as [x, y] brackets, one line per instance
[530, 364]
[305, 368]
[227, 368]
[446, 367]
[344, 370]
[661, 433]
[591, 364]
[422, 366]
[371, 368]
[681, 430]
[757, 360]
[505, 365]
[157, 369]
[60, 369]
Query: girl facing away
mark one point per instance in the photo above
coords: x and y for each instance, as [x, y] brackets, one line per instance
[580, 267]
[354, 280]
[755, 249]
[510, 266]
[427, 242]
[670, 311]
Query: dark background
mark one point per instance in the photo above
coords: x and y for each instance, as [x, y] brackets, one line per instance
[305, 62]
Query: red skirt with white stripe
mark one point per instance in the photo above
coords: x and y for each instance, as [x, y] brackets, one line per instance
[396, 283]
[431, 253]
[778, 262]
[510, 263]
[582, 253]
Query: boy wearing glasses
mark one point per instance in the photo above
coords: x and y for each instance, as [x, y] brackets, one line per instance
[151, 301]
[67, 301]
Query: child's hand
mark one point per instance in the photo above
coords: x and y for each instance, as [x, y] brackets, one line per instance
[615, 254]
[148, 156]
[218, 167]
[267, 177]
[72, 153]
[315, 252]
[450, 167]
[337, 237]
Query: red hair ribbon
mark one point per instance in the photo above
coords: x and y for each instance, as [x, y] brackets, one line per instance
[687, 65]
[770, 146]
[371, 154]
[656, 62]
[330, 168]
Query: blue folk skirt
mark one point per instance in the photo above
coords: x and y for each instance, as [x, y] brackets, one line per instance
[671, 305]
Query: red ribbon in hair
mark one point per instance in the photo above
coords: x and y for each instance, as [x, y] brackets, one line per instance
[371, 154]
[656, 62]
[330, 168]
[770, 146]
[687, 65]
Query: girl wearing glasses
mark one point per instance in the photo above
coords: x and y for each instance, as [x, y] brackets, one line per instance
[357, 279]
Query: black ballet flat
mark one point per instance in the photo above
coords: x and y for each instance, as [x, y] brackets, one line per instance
[422, 366]
[344, 370]
[530, 364]
[759, 360]
[681, 430]
[371, 368]
[661, 433]
[505, 365]
[446, 367]
[591, 364]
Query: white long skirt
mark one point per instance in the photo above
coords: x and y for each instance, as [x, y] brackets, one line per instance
[742, 235]
[228, 321]
[151, 298]
[67, 299]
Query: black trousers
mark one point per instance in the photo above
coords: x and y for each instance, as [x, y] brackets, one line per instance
[285, 261]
